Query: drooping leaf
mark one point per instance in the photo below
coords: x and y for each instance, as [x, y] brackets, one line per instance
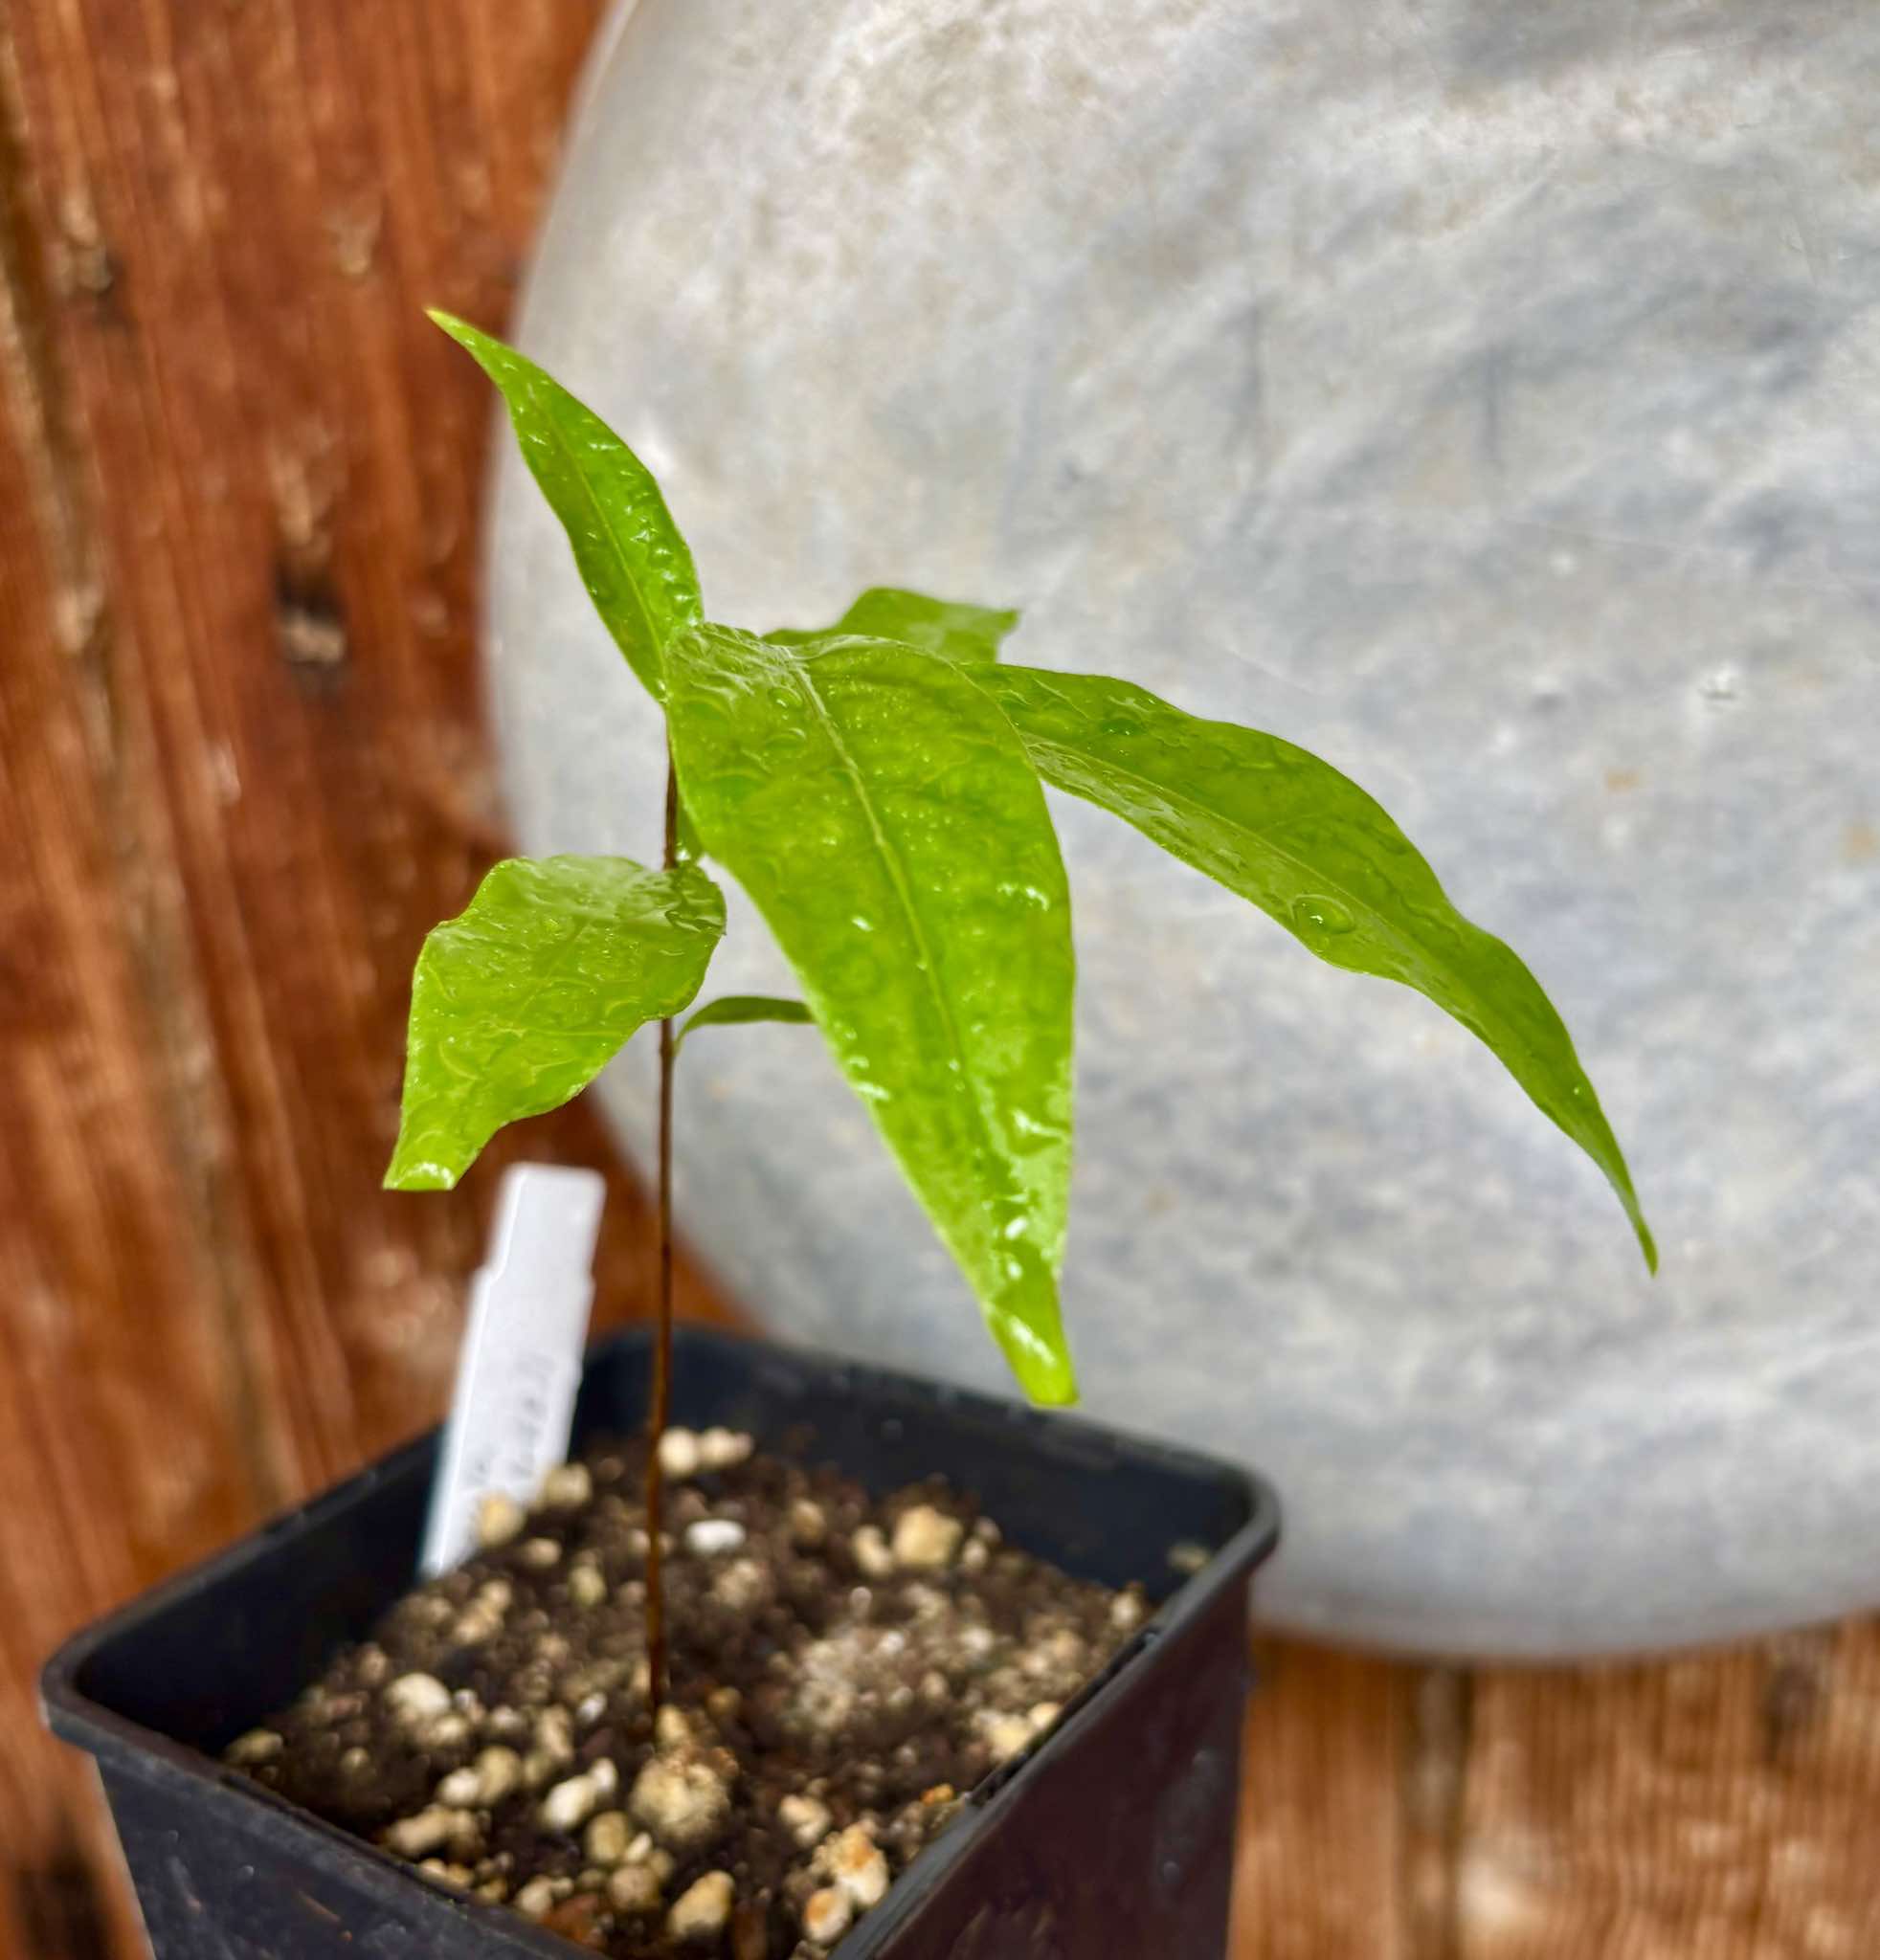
[941, 626]
[520, 1000]
[1310, 848]
[740, 1010]
[632, 559]
[881, 811]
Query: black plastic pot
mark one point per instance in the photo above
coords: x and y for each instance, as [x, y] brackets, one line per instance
[1113, 1837]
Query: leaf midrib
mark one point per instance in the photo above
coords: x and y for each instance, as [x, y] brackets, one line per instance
[656, 684]
[1335, 886]
[1590, 1120]
[897, 877]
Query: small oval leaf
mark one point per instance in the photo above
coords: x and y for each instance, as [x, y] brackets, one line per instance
[520, 1000]
[883, 817]
[1272, 822]
[954, 631]
[740, 1010]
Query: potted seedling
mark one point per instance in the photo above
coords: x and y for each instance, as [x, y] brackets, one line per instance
[833, 1659]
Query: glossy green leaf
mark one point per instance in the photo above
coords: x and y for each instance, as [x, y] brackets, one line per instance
[741, 1010]
[520, 1001]
[1310, 848]
[940, 626]
[881, 811]
[631, 557]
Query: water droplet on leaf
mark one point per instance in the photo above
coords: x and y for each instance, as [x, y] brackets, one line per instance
[1326, 917]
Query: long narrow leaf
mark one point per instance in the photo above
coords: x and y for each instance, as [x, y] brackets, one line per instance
[885, 818]
[954, 631]
[741, 1011]
[632, 559]
[1278, 826]
[520, 1001]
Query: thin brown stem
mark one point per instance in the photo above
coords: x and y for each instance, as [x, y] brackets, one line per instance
[655, 1421]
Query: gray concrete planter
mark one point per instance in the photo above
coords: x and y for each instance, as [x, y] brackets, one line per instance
[1482, 393]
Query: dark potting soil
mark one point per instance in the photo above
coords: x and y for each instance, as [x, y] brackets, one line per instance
[843, 1672]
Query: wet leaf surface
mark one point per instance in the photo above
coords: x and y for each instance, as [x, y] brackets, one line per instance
[885, 818]
[520, 1000]
[632, 559]
[1272, 822]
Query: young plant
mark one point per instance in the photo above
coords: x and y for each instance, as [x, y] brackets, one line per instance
[877, 788]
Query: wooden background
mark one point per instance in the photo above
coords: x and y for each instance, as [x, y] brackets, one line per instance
[243, 768]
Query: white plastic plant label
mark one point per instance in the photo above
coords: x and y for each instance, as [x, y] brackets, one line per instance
[521, 1363]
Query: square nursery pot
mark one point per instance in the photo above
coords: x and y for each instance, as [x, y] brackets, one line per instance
[1112, 1835]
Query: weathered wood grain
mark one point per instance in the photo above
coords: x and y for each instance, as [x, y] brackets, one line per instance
[1711, 1807]
[242, 766]
[1328, 1739]
[1720, 1807]
[244, 770]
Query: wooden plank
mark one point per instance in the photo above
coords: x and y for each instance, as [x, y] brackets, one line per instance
[1328, 1742]
[245, 768]
[288, 542]
[117, 1449]
[1719, 1807]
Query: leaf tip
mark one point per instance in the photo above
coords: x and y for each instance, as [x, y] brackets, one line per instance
[1647, 1244]
[1620, 1177]
[458, 329]
[1038, 1356]
[493, 356]
[1057, 1391]
[408, 1173]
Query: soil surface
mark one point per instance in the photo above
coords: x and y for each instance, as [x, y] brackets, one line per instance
[844, 1671]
